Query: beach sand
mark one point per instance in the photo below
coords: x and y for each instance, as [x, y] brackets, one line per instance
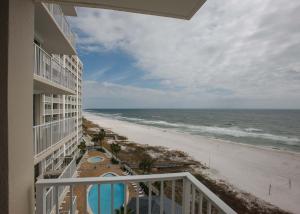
[248, 168]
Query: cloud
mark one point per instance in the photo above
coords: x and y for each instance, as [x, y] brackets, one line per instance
[110, 95]
[241, 52]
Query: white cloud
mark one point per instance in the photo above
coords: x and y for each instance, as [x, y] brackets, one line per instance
[247, 51]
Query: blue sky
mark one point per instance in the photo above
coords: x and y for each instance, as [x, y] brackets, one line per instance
[229, 55]
[115, 66]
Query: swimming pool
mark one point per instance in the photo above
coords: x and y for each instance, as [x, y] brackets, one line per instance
[105, 196]
[95, 159]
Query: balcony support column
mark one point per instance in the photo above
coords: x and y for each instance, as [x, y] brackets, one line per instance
[40, 201]
[186, 196]
[16, 104]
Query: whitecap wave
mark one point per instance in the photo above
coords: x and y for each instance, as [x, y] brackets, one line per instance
[214, 130]
[238, 132]
[253, 130]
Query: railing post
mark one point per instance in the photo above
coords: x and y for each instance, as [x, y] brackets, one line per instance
[51, 133]
[186, 196]
[56, 203]
[71, 200]
[35, 140]
[40, 199]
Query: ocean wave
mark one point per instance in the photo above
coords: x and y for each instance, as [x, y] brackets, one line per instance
[253, 130]
[149, 122]
[214, 130]
[238, 132]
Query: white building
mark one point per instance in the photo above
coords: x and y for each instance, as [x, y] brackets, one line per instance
[57, 109]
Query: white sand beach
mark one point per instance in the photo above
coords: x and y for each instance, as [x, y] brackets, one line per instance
[248, 168]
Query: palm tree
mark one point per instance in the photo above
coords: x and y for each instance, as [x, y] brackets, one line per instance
[99, 138]
[115, 149]
[82, 147]
[146, 164]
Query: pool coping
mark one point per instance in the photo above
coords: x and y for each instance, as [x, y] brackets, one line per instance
[89, 209]
[98, 156]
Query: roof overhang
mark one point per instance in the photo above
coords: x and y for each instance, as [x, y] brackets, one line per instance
[182, 9]
[48, 30]
[68, 10]
[44, 86]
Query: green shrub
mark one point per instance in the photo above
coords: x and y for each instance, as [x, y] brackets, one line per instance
[114, 161]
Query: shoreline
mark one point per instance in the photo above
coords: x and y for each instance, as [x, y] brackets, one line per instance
[248, 168]
[215, 138]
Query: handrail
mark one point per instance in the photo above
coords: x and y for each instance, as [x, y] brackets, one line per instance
[190, 186]
[68, 171]
[111, 180]
[49, 68]
[213, 197]
[53, 122]
[47, 135]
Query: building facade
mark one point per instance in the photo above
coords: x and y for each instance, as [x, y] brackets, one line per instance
[57, 91]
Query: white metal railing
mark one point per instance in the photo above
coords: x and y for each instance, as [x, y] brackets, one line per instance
[68, 172]
[194, 197]
[47, 99]
[57, 99]
[50, 69]
[56, 111]
[47, 135]
[58, 15]
[47, 111]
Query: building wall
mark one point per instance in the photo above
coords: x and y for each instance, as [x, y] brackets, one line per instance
[17, 108]
[56, 107]
[51, 107]
[20, 105]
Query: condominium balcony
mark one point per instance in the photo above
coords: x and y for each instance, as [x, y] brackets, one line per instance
[52, 26]
[179, 193]
[48, 135]
[68, 172]
[50, 76]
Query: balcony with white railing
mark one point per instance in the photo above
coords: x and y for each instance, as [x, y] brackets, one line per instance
[50, 75]
[50, 193]
[57, 100]
[59, 17]
[174, 193]
[47, 135]
[47, 111]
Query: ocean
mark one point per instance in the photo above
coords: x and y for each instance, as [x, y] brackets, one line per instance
[277, 129]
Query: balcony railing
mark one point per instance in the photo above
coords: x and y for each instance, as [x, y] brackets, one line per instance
[47, 135]
[57, 100]
[50, 69]
[58, 15]
[68, 172]
[47, 99]
[175, 193]
[57, 111]
[47, 111]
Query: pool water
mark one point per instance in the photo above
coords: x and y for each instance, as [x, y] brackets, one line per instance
[95, 159]
[105, 196]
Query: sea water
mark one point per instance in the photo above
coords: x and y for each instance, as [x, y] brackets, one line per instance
[277, 129]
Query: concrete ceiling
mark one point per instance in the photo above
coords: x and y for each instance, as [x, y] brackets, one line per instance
[46, 29]
[68, 10]
[182, 9]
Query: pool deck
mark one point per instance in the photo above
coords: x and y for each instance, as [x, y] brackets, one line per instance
[87, 169]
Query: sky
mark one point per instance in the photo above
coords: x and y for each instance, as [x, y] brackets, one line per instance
[231, 54]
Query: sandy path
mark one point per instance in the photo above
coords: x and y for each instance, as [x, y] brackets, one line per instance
[248, 168]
